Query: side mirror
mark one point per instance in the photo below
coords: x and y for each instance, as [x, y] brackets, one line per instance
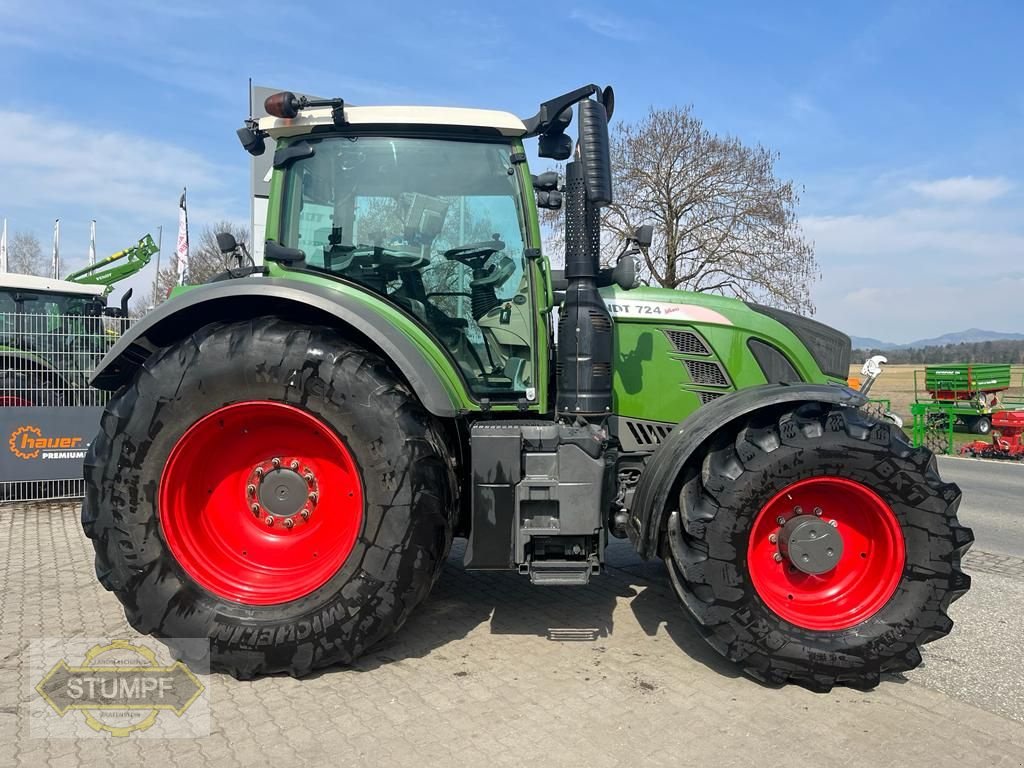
[595, 152]
[252, 141]
[643, 235]
[624, 274]
[226, 242]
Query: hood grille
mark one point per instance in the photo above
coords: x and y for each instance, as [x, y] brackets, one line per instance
[708, 373]
[687, 342]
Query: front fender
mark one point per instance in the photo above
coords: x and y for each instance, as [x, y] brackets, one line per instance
[659, 478]
[305, 302]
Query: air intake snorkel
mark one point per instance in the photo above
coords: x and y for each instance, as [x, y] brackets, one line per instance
[584, 363]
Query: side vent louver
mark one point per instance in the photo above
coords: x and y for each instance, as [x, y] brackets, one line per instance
[646, 433]
[707, 397]
[706, 373]
[687, 342]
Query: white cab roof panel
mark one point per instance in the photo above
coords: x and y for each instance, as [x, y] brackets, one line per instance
[504, 122]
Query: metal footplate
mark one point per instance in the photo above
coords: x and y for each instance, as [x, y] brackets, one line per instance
[560, 573]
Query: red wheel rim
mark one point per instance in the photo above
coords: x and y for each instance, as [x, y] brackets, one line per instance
[260, 502]
[13, 401]
[868, 569]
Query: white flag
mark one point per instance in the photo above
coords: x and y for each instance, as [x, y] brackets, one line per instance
[56, 249]
[182, 248]
[3, 249]
[92, 243]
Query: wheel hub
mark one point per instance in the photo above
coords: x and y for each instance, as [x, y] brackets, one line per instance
[282, 492]
[810, 544]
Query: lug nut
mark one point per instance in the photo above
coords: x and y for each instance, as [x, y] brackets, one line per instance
[314, 496]
[777, 557]
[251, 489]
[773, 539]
[255, 509]
[308, 477]
[798, 510]
[780, 520]
[276, 462]
[288, 523]
[258, 471]
[305, 514]
[294, 465]
[834, 523]
[269, 520]
[817, 511]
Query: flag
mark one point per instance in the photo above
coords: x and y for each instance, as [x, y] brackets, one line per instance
[92, 243]
[3, 249]
[182, 248]
[56, 249]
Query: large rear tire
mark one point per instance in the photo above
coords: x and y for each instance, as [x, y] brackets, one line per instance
[273, 488]
[818, 547]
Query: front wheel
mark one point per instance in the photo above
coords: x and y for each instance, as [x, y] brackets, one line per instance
[818, 547]
[273, 488]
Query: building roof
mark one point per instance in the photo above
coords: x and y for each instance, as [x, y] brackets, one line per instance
[505, 123]
[10, 280]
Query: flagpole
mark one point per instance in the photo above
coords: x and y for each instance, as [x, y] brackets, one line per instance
[56, 249]
[92, 243]
[181, 249]
[159, 249]
[3, 250]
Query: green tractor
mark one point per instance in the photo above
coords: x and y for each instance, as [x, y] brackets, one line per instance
[290, 451]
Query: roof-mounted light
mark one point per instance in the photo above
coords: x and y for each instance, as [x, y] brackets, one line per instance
[287, 105]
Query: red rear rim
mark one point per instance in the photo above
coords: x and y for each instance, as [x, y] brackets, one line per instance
[260, 502]
[826, 553]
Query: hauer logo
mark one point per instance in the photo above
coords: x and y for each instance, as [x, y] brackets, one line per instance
[29, 442]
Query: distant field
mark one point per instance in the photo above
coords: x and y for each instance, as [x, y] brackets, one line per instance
[897, 384]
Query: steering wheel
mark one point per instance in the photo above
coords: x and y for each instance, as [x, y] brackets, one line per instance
[475, 255]
[376, 258]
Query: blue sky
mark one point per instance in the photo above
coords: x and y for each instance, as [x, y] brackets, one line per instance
[902, 121]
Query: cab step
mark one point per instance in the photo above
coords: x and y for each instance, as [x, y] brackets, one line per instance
[560, 573]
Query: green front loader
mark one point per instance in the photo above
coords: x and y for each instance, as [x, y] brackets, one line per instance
[290, 451]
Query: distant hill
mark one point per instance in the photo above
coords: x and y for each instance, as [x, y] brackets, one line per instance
[865, 342]
[970, 336]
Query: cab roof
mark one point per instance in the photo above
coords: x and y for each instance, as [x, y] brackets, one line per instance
[15, 281]
[504, 123]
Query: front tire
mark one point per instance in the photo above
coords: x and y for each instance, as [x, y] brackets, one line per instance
[775, 587]
[273, 488]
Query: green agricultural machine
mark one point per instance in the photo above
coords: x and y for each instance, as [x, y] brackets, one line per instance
[963, 393]
[290, 451]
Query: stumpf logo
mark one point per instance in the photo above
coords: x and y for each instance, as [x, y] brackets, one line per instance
[29, 443]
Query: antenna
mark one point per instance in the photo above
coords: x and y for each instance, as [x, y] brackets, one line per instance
[250, 97]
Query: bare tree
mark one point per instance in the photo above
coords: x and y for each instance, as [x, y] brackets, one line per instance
[723, 222]
[25, 255]
[204, 262]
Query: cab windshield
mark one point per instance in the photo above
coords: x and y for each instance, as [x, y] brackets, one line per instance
[436, 227]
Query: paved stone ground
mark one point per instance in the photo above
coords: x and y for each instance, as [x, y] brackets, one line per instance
[493, 672]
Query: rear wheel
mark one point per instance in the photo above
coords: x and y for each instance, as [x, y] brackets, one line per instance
[818, 548]
[273, 488]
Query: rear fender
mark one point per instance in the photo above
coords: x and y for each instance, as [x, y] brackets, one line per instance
[659, 482]
[305, 302]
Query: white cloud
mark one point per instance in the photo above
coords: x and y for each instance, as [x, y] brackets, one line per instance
[912, 232]
[50, 162]
[963, 189]
[609, 25]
